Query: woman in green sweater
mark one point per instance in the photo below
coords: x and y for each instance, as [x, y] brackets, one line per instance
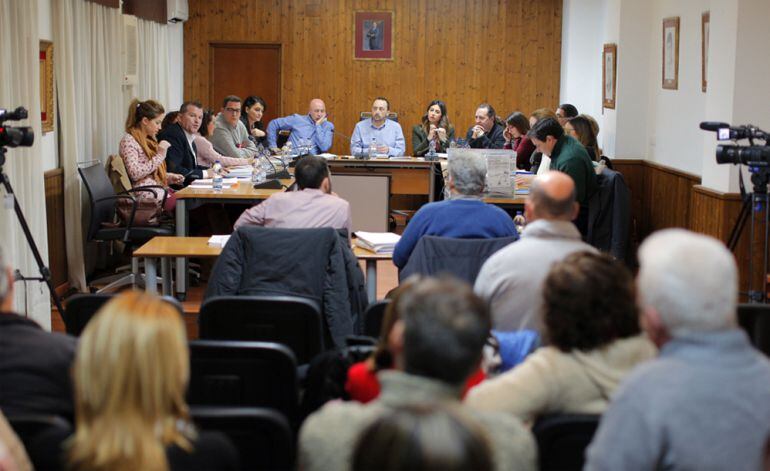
[435, 127]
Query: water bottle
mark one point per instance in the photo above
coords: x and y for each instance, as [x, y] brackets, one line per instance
[432, 148]
[519, 221]
[217, 176]
[257, 173]
[373, 148]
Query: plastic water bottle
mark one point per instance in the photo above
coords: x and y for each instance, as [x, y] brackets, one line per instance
[432, 148]
[373, 148]
[257, 173]
[519, 221]
[217, 180]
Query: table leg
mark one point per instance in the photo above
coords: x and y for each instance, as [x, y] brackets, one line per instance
[150, 276]
[165, 273]
[371, 280]
[181, 262]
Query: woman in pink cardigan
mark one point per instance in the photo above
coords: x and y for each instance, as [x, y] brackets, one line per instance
[206, 153]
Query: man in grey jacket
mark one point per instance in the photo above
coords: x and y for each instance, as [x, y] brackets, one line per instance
[230, 136]
[704, 403]
[511, 280]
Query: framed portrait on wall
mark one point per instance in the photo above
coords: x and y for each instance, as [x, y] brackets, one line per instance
[671, 53]
[609, 75]
[705, 25]
[373, 31]
[46, 85]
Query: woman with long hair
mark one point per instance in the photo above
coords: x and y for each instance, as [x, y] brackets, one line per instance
[585, 129]
[131, 371]
[251, 116]
[435, 127]
[143, 156]
[516, 128]
[207, 155]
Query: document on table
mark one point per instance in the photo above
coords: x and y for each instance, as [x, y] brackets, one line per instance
[218, 240]
[377, 242]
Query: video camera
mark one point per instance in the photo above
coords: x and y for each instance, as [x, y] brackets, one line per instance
[11, 136]
[734, 154]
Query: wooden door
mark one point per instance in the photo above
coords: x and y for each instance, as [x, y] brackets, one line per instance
[246, 69]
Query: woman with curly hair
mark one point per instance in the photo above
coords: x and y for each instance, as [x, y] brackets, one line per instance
[592, 324]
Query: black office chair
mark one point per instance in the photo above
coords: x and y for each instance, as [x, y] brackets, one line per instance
[82, 307]
[288, 320]
[562, 440]
[373, 317]
[282, 138]
[42, 436]
[392, 115]
[262, 436]
[101, 228]
[243, 374]
[755, 320]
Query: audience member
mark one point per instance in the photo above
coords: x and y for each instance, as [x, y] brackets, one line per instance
[540, 164]
[565, 112]
[704, 402]
[488, 132]
[143, 156]
[181, 157]
[254, 108]
[568, 156]
[585, 129]
[436, 345]
[464, 215]
[206, 153]
[312, 127]
[435, 127]
[131, 372]
[425, 437]
[170, 118]
[13, 455]
[386, 133]
[314, 205]
[516, 129]
[592, 327]
[231, 138]
[511, 280]
[34, 364]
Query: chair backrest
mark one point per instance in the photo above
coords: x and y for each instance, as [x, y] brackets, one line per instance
[42, 436]
[462, 258]
[82, 307]
[262, 436]
[373, 317]
[243, 374]
[392, 115]
[609, 215]
[98, 186]
[755, 320]
[282, 138]
[562, 440]
[288, 320]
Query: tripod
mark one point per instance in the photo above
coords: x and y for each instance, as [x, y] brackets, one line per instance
[45, 273]
[753, 203]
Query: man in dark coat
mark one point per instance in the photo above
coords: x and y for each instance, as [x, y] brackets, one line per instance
[181, 157]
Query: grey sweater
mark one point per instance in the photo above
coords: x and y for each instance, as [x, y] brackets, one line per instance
[232, 141]
[703, 404]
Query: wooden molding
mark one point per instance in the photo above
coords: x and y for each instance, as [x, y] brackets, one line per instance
[716, 193]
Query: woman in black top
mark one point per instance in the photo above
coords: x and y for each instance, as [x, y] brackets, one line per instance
[435, 127]
[251, 116]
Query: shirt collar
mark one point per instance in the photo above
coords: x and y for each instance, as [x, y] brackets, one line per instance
[371, 123]
[400, 388]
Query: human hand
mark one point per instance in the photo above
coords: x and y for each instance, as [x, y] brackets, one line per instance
[321, 120]
[174, 178]
[508, 136]
[432, 132]
[275, 150]
[441, 134]
[478, 131]
[383, 149]
[164, 145]
[257, 132]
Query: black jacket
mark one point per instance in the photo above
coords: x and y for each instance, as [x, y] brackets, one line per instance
[609, 215]
[34, 368]
[316, 264]
[494, 139]
[179, 157]
[462, 258]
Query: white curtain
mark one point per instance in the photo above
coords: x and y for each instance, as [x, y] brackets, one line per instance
[153, 77]
[20, 86]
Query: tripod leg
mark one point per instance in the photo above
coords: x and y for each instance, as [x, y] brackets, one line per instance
[740, 223]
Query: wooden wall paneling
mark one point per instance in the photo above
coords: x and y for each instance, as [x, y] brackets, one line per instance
[54, 211]
[633, 171]
[667, 197]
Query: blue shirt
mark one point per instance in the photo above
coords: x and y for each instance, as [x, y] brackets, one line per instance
[461, 218]
[388, 134]
[302, 127]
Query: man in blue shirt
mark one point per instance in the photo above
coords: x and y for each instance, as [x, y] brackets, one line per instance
[387, 133]
[313, 127]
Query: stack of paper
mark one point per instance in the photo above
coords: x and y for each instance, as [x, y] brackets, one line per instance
[242, 172]
[328, 156]
[218, 240]
[209, 183]
[377, 242]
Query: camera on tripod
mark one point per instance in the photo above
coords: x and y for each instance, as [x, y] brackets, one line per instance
[733, 154]
[15, 136]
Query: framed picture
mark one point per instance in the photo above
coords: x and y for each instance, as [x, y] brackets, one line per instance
[705, 24]
[373, 35]
[671, 53]
[46, 85]
[609, 75]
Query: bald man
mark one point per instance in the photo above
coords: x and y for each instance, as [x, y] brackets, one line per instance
[511, 280]
[312, 127]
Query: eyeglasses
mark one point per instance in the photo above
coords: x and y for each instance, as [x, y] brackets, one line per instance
[233, 110]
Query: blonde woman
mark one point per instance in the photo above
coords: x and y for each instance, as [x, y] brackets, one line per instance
[131, 372]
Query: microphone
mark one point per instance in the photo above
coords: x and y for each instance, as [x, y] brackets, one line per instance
[713, 125]
[726, 132]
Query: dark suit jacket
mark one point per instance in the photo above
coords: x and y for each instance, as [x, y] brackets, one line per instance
[180, 158]
[34, 368]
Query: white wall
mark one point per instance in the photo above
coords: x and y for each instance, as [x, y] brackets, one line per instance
[49, 145]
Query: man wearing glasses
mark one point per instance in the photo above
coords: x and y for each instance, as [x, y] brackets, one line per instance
[230, 136]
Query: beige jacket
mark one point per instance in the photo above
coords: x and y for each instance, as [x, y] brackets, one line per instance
[551, 381]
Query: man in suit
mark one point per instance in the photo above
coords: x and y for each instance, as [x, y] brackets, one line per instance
[181, 156]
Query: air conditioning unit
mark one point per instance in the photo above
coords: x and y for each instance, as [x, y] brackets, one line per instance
[177, 10]
[130, 50]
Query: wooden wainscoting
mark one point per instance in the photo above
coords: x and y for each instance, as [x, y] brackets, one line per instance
[57, 245]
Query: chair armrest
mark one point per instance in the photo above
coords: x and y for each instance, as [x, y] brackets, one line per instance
[130, 222]
[149, 188]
